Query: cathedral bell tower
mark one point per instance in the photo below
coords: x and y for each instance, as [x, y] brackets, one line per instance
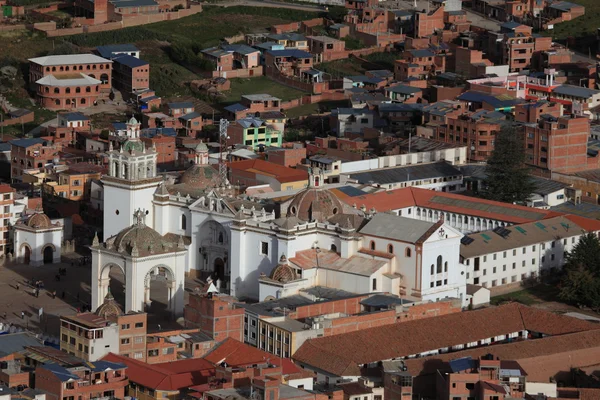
[131, 181]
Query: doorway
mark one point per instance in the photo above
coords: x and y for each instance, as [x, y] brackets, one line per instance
[48, 255]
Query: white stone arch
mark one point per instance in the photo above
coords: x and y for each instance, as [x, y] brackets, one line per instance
[213, 247]
[104, 279]
[170, 280]
[23, 248]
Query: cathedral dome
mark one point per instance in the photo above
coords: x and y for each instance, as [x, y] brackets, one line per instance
[133, 145]
[39, 220]
[283, 272]
[140, 240]
[314, 204]
[202, 176]
[133, 121]
[110, 308]
[201, 147]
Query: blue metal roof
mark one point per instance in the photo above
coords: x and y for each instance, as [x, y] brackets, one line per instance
[185, 104]
[27, 142]
[119, 126]
[564, 5]
[250, 122]
[403, 89]
[575, 91]
[290, 53]
[462, 364]
[75, 116]
[100, 366]
[110, 50]
[422, 53]
[130, 61]
[511, 25]
[151, 132]
[5, 146]
[191, 115]
[236, 107]
[61, 372]
[501, 101]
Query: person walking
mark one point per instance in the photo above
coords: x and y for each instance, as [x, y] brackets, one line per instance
[4, 315]
[17, 286]
[22, 314]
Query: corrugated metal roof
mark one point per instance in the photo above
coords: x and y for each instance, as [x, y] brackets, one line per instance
[110, 50]
[130, 61]
[391, 226]
[83, 80]
[407, 173]
[69, 59]
[16, 342]
[27, 142]
[290, 53]
[575, 91]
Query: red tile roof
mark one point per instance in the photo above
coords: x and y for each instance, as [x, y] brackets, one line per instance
[343, 354]
[279, 172]
[238, 354]
[4, 188]
[527, 353]
[449, 202]
[159, 378]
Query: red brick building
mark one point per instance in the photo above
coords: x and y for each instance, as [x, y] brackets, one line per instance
[130, 74]
[91, 381]
[419, 64]
[288, 157]
[70, 81]
[7, 201]
[215, 315]
[30, 153]
[165, 147]
[426, 23]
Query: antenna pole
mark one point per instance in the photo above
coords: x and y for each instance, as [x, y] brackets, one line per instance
[223, 124]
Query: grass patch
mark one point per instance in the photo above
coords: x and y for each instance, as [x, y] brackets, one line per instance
[582, 26]
[533, 295]
[353, 43]
[259, 85]
[315, 108]
[215, 23]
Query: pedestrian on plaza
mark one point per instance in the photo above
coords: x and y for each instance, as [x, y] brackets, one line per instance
[4, 315]
[22, 314]
[159, 327]
[17, 286]
[37, 293]
[54, 294]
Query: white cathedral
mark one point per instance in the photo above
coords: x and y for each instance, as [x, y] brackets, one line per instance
[196, 226]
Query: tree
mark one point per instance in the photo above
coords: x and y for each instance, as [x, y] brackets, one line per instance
[508, 179]
[337, 13]
[581, 279]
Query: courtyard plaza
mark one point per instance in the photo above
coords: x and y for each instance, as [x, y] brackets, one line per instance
[73, 293]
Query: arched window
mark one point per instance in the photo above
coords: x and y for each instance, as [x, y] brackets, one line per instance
[220, 237]
[46, 89]
[446, 266]
[56, 90]
[68, 90]
[432, 269]
[372, 245]
[334, 248]
[390, 249]
[68, 102]
[87, 67]
[408, 252]
[418, 212]
[53, 69]
[183, 221]
[374, 283]
[77, 90]
[57, 102]
[439, 265]
[67, 68]
[88, 89]
[82, 101]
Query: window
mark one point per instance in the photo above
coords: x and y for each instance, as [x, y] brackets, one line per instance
[523, 263]
[183, 221]
[125, 341]
[432, 269]
[139, 324]
[390, 249]
[408, 252]
[514, 265]
[125, 326]
[139, 339]
[138, 354]
[439, 265]
[153, 353]
[470, 386]
[264, 248]
[438, 283]
[372, 245]
[524, 250]
[374, 284]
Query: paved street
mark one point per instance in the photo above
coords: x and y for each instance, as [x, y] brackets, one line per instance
[76, 288]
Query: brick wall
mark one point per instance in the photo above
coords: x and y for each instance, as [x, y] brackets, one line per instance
[360, 322]
[239, 73]
[346, 306]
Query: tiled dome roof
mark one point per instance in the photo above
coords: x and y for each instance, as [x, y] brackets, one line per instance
[39, 220]
[201, 176]
[201, 147]
[283, 272]
[314, 204]
[110, 308]
[133, 145]
[141, 240]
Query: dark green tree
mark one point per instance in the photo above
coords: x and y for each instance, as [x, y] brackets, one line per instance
[581, 274]
[337, 13]
[508, 178]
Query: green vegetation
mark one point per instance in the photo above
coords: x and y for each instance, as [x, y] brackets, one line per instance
[353, 43]
[582, 26]
[529, 296]
[508, 178]
[580, 284]
[353, 66]
[258, 85]
[127, 35]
